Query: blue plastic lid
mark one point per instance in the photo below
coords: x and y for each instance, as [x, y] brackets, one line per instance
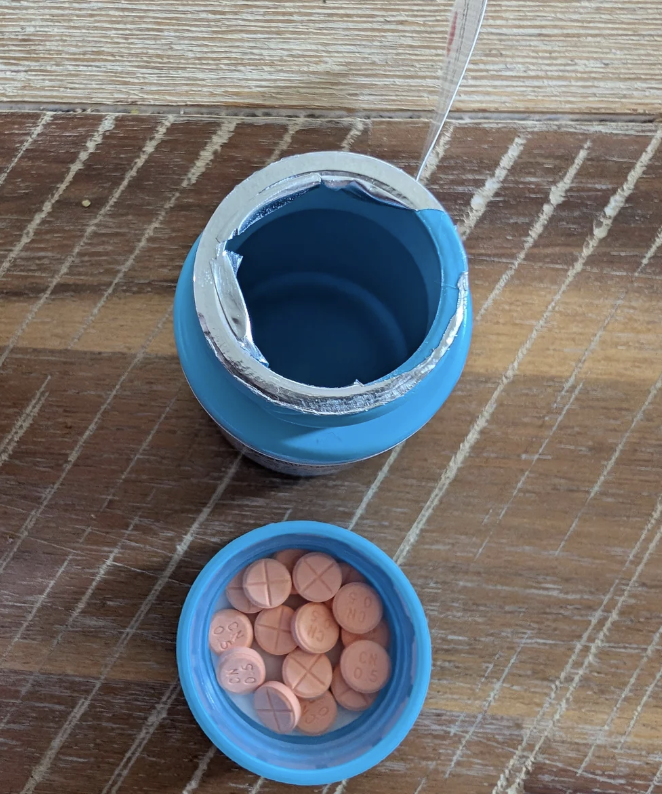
[343, 752]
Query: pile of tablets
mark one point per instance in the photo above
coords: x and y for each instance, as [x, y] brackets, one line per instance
[318, 627]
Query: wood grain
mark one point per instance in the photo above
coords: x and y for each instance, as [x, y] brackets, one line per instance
[527, 513]
[561, 56]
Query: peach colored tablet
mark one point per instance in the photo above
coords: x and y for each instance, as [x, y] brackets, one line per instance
[229, 628]
[272, 630]
[314, 628]
[350, 574]
[318, 715]
[267, 583]
[317, 577]
[236, 596]
[347, 697]
[277, 707]
[307, 674]
[357, 607]
[289, 557]
[380, 634]
[365, 666]
[240, 670]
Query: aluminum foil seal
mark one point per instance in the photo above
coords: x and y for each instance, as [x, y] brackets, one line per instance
[220, 303]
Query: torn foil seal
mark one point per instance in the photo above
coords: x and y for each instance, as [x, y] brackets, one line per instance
[225, 320]
[231, 299]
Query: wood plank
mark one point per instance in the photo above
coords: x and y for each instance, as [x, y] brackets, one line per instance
[595, 56]
[527, 513]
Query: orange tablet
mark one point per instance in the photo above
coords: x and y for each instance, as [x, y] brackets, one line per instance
[318, 715]
[229, 628]
[240, 670]
[307, 674]
[357, 607]
[267, 583]
[347, 697]
[272, 630]
[314, 628]
[365, 666]
[317, 576]
[277, 707]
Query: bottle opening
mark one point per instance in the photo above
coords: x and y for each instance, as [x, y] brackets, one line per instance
[340, 287]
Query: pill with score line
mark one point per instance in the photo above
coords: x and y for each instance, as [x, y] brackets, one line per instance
[317, 577]
[307, 674]
[277, 707]
[289, 558]
[272, 630]
[235, 594]
[357, 607]
[267, 583]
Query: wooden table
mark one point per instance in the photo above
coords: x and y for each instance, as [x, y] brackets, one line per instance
[527, 513]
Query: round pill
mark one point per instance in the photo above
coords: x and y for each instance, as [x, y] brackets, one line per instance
[314, 628]
[317, 577]
[272, 630]
[267, 583]
[357, 607]
[318, 715]
[240, 670]
[307, 674]
[277, 707]
[365, 666]
[237, 597]
[289, 557]
[347, 697]
[380, 634]
[229, 628]
[350, 574]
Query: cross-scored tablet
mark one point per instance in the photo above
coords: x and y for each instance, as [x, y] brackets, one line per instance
[277, 707]
[238, 598]
[267, 583]
[317, 576]
[272, 630]
[307, 674]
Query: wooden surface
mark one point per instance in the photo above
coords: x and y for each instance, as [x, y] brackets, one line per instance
[527, 513]
[557, 56]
